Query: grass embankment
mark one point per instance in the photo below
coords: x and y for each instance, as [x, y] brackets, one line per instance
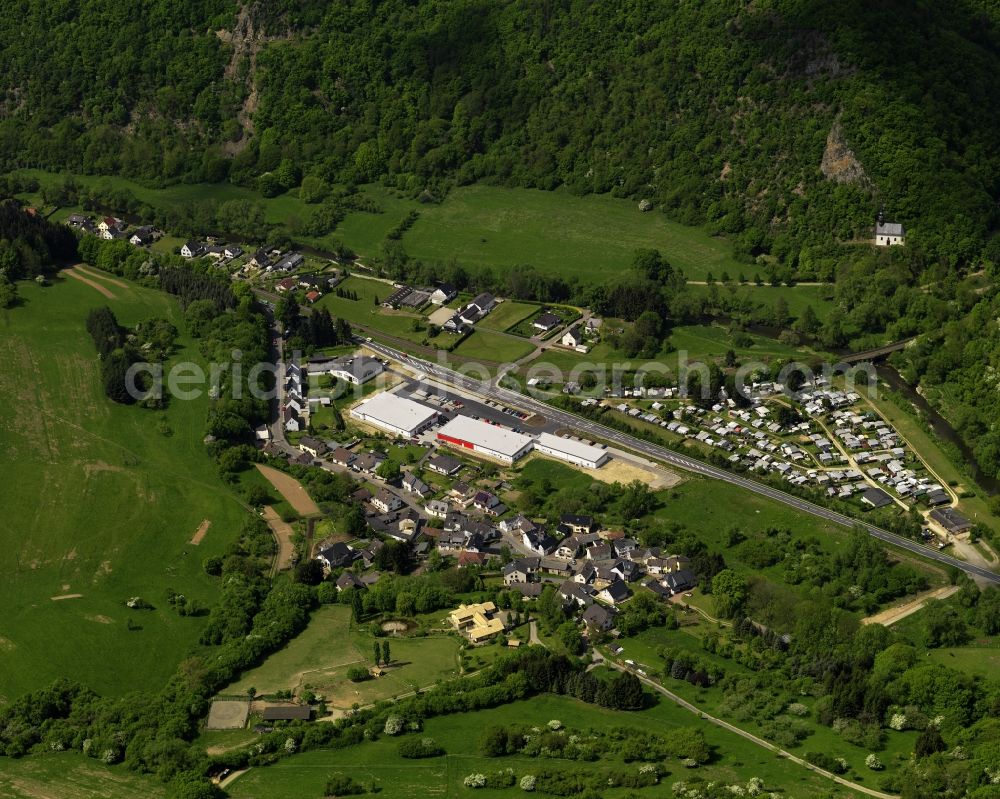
[103, 502]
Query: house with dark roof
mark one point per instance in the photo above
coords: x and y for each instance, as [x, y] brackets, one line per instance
[538, 541]
[444, 464]
[349, 580]
[192, 249]
[681, 580]
[545, 322]
[313, 446]
[337, 556]
[287, 713]
[573, 593]
[342, 457]
[386, 501]
[415, 485]
[443, 294]
[598, 617]
[951, 520]
[577, 523]
[614, 592]
[876, 498]
[142, 236]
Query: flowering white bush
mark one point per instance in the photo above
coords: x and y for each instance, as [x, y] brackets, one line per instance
[959, 753]
[394, 725]
[109, 756]
[679, 788]
[736, 790]
[689, 762]
[937, 721]
[528, 782]
[755, 787]
[290, 745]
[993, 774]
[648, 768]
[844, 765]
[555, 724]
[56, 746]
[798, 709]
[898, 721]
[87, 743]
[873, 762]
[475, 781]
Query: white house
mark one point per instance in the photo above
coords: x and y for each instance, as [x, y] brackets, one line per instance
[888, 234]
[572, 338]
[444, 294]
[192, 249]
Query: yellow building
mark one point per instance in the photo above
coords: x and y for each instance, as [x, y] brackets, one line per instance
[478, 622]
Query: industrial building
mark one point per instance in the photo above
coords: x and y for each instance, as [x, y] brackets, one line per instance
[567, 449]
[396, 415]
[483, 438]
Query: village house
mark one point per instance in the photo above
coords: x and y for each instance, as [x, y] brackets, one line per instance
[192, 249]
[336, 556]
[545, 322]
[444, 464]
[614, 593]
[443, 294]
[142, 236]
[313, 446]
[386, 501]
[598, 617]
[415, 485]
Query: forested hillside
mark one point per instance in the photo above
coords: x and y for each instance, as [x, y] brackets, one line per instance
[782, 123]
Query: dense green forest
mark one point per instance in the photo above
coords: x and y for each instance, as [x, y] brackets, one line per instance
[719, 112]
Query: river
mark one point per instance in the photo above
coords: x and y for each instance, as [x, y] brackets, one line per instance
[939, 425]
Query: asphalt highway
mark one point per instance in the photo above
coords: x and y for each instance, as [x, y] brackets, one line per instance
[656, 452]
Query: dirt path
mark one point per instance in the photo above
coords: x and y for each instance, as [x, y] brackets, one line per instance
[890, 616]
[283, 532]
[73, 273]
[65, 596]
[90, 272]
[753, 738]
[291, 489]
[200, 533]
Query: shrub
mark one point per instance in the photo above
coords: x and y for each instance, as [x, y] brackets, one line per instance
[342, 785]
[873, 762]
[419, 747]
[358, 674]
[475, 781]
[394, 725]
[528, 782]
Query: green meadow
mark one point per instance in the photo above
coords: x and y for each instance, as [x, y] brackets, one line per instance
[378, 762]
[318, 659]
[71, 775]
[590, 238]
[101, 502]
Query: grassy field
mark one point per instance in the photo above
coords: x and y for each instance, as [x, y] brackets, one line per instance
[105, 502]
[319, 658]
[490, 346]
[797, 297]
[560, 234]
[507, 314]
[981, 660]
[396, 778]
[71, 775]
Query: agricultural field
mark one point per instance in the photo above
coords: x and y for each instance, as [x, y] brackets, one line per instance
[318, 659]
[71, 775]
[560, 234]
[106, 502]
[367, 311]
[737, 760]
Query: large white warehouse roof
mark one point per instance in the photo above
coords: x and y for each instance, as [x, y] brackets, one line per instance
[576, 450]
[393, 412]
[484, 435]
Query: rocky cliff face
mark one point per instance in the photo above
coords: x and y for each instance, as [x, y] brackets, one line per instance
[839, 162]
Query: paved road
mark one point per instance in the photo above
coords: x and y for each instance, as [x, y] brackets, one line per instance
[656, 452]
